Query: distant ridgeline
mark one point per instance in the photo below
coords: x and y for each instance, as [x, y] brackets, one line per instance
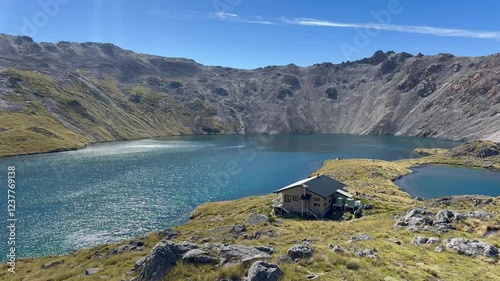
[65, 95]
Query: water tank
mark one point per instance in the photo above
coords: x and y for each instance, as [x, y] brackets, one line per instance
[339, 201]
[350, 202]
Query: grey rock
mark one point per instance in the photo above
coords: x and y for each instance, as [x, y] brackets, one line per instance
[339, 249]
[184, 247]
[311, 277]
[416, 212]
[438, 249]
[433, 240]
[365, 253]
[256, 219]
[284, 259]
[471, 247]
[92, 271]
[395, 241]
[416, 219]
[158, 262]
[360, 237]
[300, 251]
[199, 257]
[231, 254]
[265, 100]
[238, 229]
[51, 264]
[480, 214]
[419, 240]
[266, 249]
[263, 271]
[447, 216]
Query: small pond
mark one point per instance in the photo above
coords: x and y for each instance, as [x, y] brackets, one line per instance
[432, 181]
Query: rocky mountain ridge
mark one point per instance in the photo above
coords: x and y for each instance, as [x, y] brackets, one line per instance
[102, 92]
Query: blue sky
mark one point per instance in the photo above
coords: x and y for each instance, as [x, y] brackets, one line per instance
[255, 33]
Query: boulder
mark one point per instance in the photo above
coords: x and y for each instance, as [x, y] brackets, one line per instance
[438, 249]
[263, 271]
[395, 241]
[238, 230]
[433, 240]
[447, 216]
[299, 251]
[419, 240]
[233, 254]
[284, 259]
[416, 219]
[480, 214]
[158, 262]
[471, 247]
[52, 264]
[365, 253]
[92, 271]
[256, 219]
[339, 249]
[416, 212]
[360, 237]
[184, 247]
[199, 257]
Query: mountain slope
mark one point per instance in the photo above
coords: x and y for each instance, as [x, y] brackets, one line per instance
[101, 92]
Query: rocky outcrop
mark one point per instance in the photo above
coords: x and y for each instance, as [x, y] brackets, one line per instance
[158, 262]
[395, 241]
[419, 240]
[165, 255]
[446, 98]
[238, 230]
[365, 253]
[233, 254]
[421, 219]
[300, 251]
[92, 271]
[198, 256]
[256, 219]
[263, 271]
[471, 247]
[360, 237]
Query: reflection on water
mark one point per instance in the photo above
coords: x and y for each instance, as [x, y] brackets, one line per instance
[112, 191]
[437, 180]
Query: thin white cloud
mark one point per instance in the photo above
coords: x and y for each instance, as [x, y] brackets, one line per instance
[437, 31]
[232, 17]
[236, 18]
[223, 15]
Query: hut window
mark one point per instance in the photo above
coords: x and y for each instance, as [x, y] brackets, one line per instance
[295, 198]
[317, 199]
[316, 204]
[288, 198]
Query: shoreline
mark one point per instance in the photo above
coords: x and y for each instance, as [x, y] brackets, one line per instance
[65, 149]
[212, 222]
[406, 163]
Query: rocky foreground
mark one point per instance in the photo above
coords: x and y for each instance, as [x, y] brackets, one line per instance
[64, 95]
[397, 238]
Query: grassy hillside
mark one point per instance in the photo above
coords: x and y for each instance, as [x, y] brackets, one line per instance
[44, 115]
[372, 179]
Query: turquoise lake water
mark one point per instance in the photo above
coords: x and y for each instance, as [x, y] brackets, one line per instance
[432, 181]
[113, 191]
